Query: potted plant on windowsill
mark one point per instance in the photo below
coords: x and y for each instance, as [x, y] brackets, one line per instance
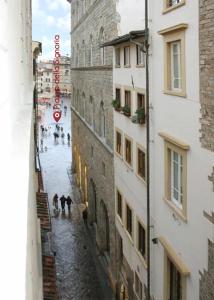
[116, 105]
[140, 116]
[126, 111]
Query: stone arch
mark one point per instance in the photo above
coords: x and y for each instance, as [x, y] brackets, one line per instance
[92, 203]
[104, 228]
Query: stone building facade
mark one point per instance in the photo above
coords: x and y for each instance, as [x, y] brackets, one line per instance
[92, 118]
[206, 43]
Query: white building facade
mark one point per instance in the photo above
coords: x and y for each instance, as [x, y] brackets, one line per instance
[181, 190]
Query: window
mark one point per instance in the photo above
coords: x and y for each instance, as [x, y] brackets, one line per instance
[119, 205]
[141, 163]
[129, 219]
[138, 287]
[92, 151]
[126, 56]
[103, 169]
[140, 56]
[128, 151]
[118, 143]
[140, 101]
[141, 245]
[91, 51]
[172, 4]
[174, 60]
[118, 95]
[128, 99]
[66, 72]
[175, 273]
[175, 287]
[175, 51]
[102, 120]
[176, 173]
[102, 49]
[117, 57]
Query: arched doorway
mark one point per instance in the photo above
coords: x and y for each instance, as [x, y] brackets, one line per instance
[104, 227]
[92, 203]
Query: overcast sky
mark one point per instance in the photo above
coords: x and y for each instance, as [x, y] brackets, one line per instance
[51, 17]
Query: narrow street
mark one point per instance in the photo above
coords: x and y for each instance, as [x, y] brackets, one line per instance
[80, 273]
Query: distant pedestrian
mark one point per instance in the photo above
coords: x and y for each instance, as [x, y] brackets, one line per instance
[61, 129]
[68, 137]
[69, 201]
[85, 215]
[55, 201]
[62, 200]
[55, 136]
[41, 145]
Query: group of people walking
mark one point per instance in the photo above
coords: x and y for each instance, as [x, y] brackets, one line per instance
[63, 201]
[59, 132]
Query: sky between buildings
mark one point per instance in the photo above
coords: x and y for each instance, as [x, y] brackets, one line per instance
[51, 17]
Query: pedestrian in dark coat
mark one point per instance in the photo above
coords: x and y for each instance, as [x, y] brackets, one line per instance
[62, 200]
[85, 215]
[69, 201]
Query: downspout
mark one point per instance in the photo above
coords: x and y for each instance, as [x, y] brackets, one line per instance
[147, 146]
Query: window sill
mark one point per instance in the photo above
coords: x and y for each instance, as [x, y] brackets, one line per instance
[180, 213]
[140, 66]
[117, 66]
[142, 259]
[141, 179]
[118, 155]
[128, 165]
[129, 237]
[127, 66]
[173, 7]
[120, 220]
[174, 93]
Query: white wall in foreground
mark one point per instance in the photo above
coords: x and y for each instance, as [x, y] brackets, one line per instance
[18, 252]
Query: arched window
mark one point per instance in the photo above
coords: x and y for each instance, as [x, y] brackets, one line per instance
[102, 121]
[91, 51]
[83, 53]
[83, 105]
[77, 56]
[78, 101]
[102, 49]
[91, 111]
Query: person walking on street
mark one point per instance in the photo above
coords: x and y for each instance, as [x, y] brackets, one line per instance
[69, 201]
[41, 145]
[63, 199]
[55, 201]
[68, 137]
[85, 215]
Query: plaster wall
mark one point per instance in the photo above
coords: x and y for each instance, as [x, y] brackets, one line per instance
[18, 255]
[179, 117]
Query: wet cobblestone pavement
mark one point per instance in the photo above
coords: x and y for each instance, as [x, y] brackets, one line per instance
[80, 274]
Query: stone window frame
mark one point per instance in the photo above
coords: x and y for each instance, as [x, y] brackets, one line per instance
[171, 255]
[143, 149]
[167, 8]
[130, 165]
[144, 260]
[121, 218]
[130, 235]
[173, 144]
[174, 34]
[139, 297]
[102, 49]
[117, 130]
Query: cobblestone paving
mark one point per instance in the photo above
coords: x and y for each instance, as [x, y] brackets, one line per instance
[80, 274]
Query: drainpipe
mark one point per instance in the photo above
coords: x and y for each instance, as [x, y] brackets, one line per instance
[147, 147]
